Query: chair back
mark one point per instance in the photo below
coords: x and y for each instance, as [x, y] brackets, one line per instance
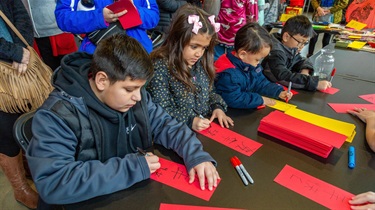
[22, 130]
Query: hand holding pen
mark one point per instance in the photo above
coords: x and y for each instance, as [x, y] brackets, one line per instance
[289, 93]
[151, 159]
[200, 123]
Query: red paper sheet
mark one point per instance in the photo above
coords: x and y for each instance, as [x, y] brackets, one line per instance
[131, 18]
[231, 139]
[369, 97]
[293, 91]
[330, 90]
[343, 108]
[315, 189]
[166, 206]
[175, 175]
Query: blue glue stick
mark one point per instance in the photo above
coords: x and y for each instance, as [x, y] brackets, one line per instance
[351, 157]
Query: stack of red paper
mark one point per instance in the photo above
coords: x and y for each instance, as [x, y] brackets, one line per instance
[304, 135]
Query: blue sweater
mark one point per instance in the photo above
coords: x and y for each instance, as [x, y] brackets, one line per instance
[242, 85]
[82, 22]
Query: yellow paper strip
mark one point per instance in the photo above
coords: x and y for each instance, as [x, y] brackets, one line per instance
[357, 45]
[344, 128]
[282, 106]
[356, 25]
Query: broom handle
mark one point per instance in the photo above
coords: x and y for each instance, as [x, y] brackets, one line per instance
[10, 24]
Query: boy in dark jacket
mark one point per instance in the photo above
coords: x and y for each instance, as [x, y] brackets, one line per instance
[285, 64]
[240, 80]
[86, 134]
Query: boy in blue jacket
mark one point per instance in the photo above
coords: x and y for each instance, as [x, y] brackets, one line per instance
[85, 16]
[240, 80]
[86, 134]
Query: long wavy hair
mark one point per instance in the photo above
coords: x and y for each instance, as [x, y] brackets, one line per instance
[179, 37]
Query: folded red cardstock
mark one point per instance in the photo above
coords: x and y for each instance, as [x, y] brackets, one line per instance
[231, 139]
[166, 206]
[175, 175]
[369, 97]
[330, 90]
[131, 18]
[302, 134]
[315, 189]
[343, 108]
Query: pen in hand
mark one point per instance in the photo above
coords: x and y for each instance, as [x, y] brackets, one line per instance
[332, 74]
[289, 89]
[197, 113]
[144, 153]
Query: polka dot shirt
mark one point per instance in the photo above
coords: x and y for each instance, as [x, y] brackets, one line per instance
[177, 100]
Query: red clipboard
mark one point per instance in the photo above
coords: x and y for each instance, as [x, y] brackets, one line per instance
[131, 18]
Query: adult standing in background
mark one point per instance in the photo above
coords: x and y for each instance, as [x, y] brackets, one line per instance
[52, 43]
[232, 16]
[326, 11]
[85, 16]
[14, 51]
[167, 8]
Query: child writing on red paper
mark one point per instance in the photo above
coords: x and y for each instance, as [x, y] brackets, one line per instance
[240, 79]
[184, 71]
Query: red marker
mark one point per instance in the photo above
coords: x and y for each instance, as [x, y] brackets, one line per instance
[239, 171]
[261, 107]
[244, 170]
[332, 74]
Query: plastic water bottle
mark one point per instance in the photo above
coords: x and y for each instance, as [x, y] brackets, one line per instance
[324, 64]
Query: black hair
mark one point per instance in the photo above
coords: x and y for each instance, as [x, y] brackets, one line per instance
[252, 38]
[121, 56]
[299, 24]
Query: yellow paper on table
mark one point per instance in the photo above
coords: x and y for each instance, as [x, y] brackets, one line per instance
[344, 128]
[357, 45]
[356, 25]
[285, 17]
[282, 106]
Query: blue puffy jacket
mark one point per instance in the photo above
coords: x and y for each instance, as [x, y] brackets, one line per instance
[242, 85]
[81, 22]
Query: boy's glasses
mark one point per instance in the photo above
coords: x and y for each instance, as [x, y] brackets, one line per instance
[300, 44]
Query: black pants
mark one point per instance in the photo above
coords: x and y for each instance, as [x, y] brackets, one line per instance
[8, 145]
[45, 50]
[313, 40]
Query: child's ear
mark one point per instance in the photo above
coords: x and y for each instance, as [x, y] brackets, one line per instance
[101, 80]
[285, 37]
[241, 54]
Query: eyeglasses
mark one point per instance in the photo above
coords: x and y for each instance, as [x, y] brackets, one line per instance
[300, 44]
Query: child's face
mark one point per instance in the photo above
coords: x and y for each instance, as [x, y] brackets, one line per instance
[196, 48]
[254, 59]
[296, 41]
[121, 95]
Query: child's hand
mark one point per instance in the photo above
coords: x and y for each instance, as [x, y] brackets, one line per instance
[152, 162]
[285, 95]
[268, 101]
[200, 124]
[222, 118]
[320, 11]
[363, 114]
[324, 84]
[305, 72]
[204, 171]
[363, 201]
[110, 17]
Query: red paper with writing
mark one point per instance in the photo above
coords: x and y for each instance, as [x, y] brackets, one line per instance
[231, 139]
[175, 175]
[292, 91]
[166, 206]
[315, 189]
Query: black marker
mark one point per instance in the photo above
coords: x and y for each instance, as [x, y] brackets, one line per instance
[142, 151]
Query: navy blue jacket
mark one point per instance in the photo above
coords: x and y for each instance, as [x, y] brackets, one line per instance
[242, 85]
[62, 178]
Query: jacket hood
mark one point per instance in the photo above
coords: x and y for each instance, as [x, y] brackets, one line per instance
[73, 78]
